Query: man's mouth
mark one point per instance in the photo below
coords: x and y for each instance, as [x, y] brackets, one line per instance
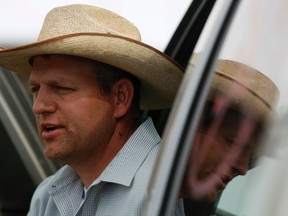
[225, 179]
[49, 128]
[49, 131]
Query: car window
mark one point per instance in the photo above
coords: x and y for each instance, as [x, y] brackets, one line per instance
[243, 118]
[260, 41]
[185, 115]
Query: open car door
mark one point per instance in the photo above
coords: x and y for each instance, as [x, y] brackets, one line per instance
[206, 29]
[185, 114]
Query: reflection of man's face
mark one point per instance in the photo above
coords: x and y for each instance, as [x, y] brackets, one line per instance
[223, 148]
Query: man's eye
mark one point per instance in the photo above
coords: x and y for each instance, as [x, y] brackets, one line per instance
[34, 90]
[62, 89]
[229, 141]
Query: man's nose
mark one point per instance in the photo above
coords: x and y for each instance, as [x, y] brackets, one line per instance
[43, 103]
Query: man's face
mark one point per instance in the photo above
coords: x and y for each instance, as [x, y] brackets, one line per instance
[75, 121]
[221, 151]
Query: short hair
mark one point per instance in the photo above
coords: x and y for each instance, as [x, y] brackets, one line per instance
[209, 117]
[108, 75]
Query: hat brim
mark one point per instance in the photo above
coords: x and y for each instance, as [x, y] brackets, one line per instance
[160, 76]
[239, 97]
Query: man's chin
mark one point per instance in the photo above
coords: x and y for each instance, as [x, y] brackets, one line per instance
[201, 196]
[55, 156]
[208, 196]
[211, 198]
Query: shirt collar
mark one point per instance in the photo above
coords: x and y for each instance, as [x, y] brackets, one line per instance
[124, 166]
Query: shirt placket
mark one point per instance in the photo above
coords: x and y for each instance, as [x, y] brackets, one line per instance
[89, 207]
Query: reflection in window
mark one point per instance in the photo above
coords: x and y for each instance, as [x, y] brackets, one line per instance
[228, 139]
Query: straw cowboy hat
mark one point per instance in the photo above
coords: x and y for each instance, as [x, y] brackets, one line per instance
[99, 34]
[244, 88]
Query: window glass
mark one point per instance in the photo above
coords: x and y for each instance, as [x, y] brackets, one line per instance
[239, 153]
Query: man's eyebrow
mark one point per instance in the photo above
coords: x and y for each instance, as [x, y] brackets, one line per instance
[52, 82]
[59, 81]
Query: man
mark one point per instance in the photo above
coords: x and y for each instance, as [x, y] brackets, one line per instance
[240, 103]
[90, 75]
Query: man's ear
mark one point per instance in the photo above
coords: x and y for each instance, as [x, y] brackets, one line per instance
[124, 92]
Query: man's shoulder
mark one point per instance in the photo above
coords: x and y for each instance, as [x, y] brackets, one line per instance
[44, 188]
[40, 196]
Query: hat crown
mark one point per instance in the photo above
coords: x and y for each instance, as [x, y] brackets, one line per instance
[79, 18]
[250, 78]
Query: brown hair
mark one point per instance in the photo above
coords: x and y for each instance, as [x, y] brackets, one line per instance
[108, 75]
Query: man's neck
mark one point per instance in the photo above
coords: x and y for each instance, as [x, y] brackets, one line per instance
[92, 167]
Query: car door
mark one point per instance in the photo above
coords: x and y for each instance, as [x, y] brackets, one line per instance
[184, 117]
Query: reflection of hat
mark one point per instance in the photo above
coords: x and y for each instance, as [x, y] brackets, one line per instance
[101, 35]
[245, 87]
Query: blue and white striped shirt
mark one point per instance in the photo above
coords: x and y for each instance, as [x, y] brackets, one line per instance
[120, 190]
